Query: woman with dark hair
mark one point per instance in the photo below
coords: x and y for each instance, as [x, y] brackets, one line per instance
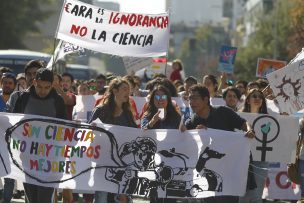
[255, 102]
[160, 100]
[161, 114]
[115, 109]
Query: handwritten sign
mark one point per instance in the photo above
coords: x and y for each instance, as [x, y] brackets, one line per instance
[111, 32]
[64, 154]
[227, 58]
[266, 66]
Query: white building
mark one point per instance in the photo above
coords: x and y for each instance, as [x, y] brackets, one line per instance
[253, 10]
[195, 12]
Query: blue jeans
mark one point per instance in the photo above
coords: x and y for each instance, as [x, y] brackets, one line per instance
[260, 170]
[8, 190]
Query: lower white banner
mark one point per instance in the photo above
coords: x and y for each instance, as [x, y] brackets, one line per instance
[165, 163]
[278, 186]
[276, 137]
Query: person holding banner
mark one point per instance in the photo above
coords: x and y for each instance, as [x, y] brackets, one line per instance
[161, 114]
[41, 99]
[114, 109]
[255, 102]
[221, 117]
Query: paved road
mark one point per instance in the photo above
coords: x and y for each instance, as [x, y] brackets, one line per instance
[146, 201]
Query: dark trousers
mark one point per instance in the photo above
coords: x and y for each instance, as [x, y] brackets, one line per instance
[8, 190]
[221, 199]
[162, 200]
[38, 194]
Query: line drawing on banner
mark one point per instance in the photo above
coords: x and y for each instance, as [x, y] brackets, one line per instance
[132, 179]
[140, 174]
[114, 145]
[267, 130]
[289, 91]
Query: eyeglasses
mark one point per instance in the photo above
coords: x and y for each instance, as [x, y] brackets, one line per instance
[160, 97]
[257, 96]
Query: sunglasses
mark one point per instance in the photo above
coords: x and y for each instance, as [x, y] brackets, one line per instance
[158, 97]
[256, 96]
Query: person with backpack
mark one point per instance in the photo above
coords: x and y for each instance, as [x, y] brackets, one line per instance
[43, 100]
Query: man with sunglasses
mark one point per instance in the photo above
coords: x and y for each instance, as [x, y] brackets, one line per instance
[222, 118]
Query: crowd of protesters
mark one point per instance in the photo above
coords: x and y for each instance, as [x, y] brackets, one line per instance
[39, 91]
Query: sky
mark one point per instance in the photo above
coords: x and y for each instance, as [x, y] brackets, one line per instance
[142, 6]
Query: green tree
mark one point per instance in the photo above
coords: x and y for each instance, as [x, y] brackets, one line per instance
[200, 54]
[296, 39]
[270, 40]
[18, 18]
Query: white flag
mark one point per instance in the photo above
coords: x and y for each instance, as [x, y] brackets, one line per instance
[63, 48]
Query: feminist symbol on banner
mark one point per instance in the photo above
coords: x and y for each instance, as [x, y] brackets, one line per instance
[267, 130]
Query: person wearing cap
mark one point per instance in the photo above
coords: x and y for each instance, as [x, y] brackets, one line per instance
[21, 82]
[8, 84]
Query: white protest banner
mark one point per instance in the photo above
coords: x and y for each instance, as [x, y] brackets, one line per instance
[272, 106]
[111, 32]
[165, 163]
[299, 56]
[286, 84]
[134, 64]
[214, 101]
[84, 107]
[276, 137]
[278, 186]
[63, 49]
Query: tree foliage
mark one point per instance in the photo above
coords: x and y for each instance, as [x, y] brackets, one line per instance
[274, 37]
[18, 18]
[200, 53]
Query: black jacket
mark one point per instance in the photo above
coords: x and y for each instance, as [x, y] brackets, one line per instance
[24, 97]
